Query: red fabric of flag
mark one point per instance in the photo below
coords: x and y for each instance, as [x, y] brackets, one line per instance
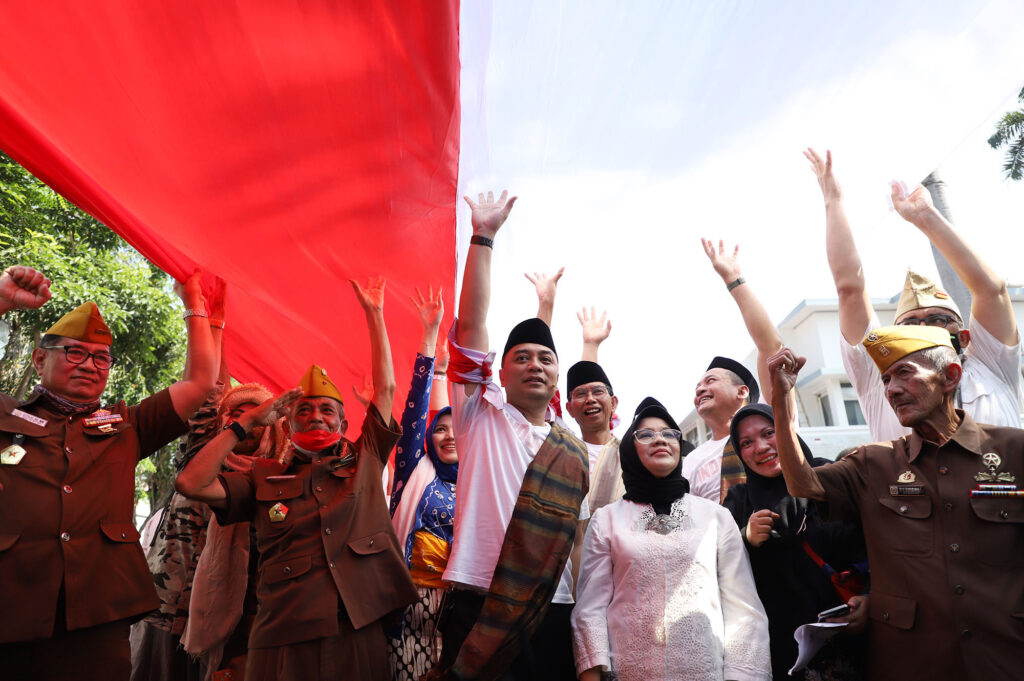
[286, 146]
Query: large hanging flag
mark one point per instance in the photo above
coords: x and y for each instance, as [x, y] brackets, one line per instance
[285, 146]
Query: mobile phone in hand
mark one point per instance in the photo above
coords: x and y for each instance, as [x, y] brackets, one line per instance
[837, 611]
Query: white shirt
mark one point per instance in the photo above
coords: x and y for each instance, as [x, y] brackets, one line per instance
[703, 468]
[595, 455]
[988, 388]
[681, 605]
[496, 445]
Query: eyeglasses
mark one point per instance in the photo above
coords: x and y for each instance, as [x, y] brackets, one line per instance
[646, 435]
[580, 394]
[76, 355]
[940, 320]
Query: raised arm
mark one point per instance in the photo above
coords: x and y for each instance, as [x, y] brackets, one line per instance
[488, 216]
[218, 311]
[23, 288]
[198, 480]
[759, 325]
[439, 388]
[201, 358]
[383, 369]
[546, 289]
[801, 480]
[990, 301]
[843, 259]
[595, 331]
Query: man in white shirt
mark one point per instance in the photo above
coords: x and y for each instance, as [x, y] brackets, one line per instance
[726, 386]
[501, 439]
[989, 390]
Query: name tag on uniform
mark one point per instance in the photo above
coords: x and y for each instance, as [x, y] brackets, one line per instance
[906, 490]
[101, 417]
[35, 420]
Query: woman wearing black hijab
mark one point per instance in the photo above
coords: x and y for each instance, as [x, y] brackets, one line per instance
[778, 530]
[665, 589]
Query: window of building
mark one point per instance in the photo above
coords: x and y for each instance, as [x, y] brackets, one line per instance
[691, 436]
[826, 409]
[854, 416]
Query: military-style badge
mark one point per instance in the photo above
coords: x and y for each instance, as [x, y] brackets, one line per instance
[993, 461]
[12, 456]
[872, 336]
[101, 418]
[906, 478]
[278, 512]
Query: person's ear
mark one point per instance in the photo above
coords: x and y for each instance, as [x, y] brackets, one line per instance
[964, 336]
[615, 403]
[569, 408]
[951, 377]
[343, 426]
[39, 360]
[501, 377]
[743, 393]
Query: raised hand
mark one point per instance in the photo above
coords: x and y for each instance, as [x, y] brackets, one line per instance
[595, 329]
[364, 394]
[783, 367]
[441, 358]
[489, 215]
[546, 286]
[759, 526]
[218, 299]
[270, 410]
[727, 266]
[371, 296]
[430, 308]
[912, 206]
[191, 292]
[823, 171]
[23, 288]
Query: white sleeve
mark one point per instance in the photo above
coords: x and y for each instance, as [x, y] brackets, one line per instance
[1002, 360]
[867, 382]
[590, 641]
[747, 655]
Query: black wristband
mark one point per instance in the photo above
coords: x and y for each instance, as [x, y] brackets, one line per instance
[481, 240]
[739, 281]
[236, 428]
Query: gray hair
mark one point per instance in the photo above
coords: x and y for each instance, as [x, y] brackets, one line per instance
[941, 357]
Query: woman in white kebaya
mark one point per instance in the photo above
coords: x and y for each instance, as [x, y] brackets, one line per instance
[665, 588]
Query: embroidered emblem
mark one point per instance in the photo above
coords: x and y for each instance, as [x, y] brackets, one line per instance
[992, 461]
[872, 336]
[12, 456]
[883, 351]
[278, 512]
[906, 477]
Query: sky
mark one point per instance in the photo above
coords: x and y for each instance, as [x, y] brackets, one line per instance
[630, 130]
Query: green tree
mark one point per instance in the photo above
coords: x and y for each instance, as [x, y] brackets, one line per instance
[87, 261]
[1010, 133]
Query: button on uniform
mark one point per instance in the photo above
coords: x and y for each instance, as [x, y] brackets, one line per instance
[65, 536]
[943, 470]
[955, 548]
[958, 589]
[67, 489]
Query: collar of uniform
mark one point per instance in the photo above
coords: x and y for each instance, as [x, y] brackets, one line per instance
[968, 435]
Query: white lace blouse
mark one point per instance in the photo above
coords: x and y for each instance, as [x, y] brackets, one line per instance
[670, 597]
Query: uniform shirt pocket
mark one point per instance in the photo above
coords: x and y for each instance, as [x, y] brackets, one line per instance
[999, 532]
[907, 530]
[278, 490]
[374, 543]
[123, 533]
[895, 611]
[283, 569]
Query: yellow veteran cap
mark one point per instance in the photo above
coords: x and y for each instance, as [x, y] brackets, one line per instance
[890, 344]
[84, 323]
[315, 383]
[919, 291]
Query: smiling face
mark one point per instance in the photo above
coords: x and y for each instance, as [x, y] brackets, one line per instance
[756, 440]
[661, 455]
[915, 389]
[592, 405]
[719, 394]
[444, 440]
[529, 374]
[77, 382]
[318, 413]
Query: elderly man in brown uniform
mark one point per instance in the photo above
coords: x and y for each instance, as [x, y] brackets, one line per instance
[942, 516]
[330, 566]
[72, 573]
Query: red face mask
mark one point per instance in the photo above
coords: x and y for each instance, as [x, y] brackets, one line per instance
[315, 440]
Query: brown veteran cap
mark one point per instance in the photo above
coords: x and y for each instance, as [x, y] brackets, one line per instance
[890, 344]
[84, 323]
[919, 291]
[315, 383]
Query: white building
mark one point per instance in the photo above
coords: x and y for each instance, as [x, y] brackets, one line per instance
[829, 412]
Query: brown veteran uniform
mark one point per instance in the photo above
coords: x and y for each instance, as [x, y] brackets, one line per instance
[330, 567]
[947, 569]
[69, 552]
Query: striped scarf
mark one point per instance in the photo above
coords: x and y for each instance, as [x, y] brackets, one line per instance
[537, 544]
[733, 472]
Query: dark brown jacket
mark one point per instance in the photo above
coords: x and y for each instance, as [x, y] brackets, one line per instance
[335, 548]
[66, 516]
[947, 570]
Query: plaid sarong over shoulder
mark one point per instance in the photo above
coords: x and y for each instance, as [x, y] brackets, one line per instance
[537, 544]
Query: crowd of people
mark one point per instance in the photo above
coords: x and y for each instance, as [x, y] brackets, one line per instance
[484, 538]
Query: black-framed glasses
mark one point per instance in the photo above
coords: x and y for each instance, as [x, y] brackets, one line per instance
[646, 435]
[77, 355]
[940, 320]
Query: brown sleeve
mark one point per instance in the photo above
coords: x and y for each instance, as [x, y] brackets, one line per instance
[378, 439]
[845, 484]
[155, 421]
[241, 498]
